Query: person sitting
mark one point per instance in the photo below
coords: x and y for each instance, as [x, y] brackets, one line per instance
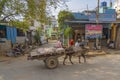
[58, 44]
[83, 43]
[111, 45]
[77, 44]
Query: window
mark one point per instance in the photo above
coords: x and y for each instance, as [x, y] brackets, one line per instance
[20, 32]
[2, 33]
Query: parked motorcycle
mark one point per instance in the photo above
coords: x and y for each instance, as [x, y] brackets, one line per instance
[18, 49]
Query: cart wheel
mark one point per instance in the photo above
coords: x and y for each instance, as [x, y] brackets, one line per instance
[51, 62]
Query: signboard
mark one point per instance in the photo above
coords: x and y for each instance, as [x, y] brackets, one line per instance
[93, 31]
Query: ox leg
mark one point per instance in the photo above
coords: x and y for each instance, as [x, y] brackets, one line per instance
[83, 55]
[70, 56]
[79, 58]
[65, 59]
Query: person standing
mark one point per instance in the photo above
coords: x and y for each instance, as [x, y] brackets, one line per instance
[71, 43]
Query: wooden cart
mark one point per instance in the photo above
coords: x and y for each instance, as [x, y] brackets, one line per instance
[50, 60]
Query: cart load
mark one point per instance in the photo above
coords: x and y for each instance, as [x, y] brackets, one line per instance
[43, 51]
[48, 55]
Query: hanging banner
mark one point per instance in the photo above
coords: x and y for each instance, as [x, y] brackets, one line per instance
[93, 31]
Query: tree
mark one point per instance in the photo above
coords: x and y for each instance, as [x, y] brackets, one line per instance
[41, 9]
[11, 9]
[36, 10]
[23, 25]
[30, 9]
[62, 17]
[37, 35]
[67, 32]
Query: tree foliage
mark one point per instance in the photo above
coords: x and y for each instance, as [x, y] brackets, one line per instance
[11, 9]
[37, 35]
[36, 10]
[23, 25]
[30, 9]
[64, 16]
[68, 31]
[22, 13]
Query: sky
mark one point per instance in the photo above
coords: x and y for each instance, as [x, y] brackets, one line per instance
[80, 5]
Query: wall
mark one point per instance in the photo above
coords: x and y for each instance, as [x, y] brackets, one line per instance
[5, 47]
[117, 46]
[20, 39]
[5, 43]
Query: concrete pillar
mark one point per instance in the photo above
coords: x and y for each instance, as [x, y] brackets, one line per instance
[113, 35]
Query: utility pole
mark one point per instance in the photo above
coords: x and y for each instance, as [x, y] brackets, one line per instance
[97, 21]
[111, 3]
[97, 13]
[87, 11]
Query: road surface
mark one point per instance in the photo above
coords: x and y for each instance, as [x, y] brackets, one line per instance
[106, 67]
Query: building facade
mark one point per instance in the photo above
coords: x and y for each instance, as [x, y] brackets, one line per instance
[116, 6]
[106, 18]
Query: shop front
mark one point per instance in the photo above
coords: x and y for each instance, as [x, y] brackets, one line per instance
[7, 37]
[101, 34]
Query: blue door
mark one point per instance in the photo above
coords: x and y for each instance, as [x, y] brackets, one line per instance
[11, 34]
